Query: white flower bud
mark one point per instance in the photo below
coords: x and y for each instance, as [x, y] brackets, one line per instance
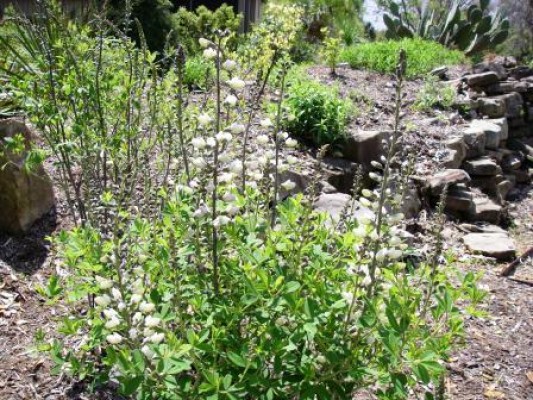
[204, 43]
[292, 160]
[198, 143]
[112, 323]
[291, 143]
[229, 65]
[288, 185]
[266, 123]
[210, 53]
[157, 338]
[231, 100]
[204, 119]
[236, 83]
[199, 162]
[374, 176]
[262, 139]
[211, 142]
[220, 221]
[103, 300]
[104, 283]
[236, 167]
[146, 307]
[237, 128]
[148, 353]
[114, 338]
[228, 196]
[116, 294]
[136, 298]
[152, 322]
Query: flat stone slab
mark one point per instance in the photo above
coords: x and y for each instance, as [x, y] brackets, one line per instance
[485, 210]
[438, 181]
[491, 244]
[482, 166]
[482, 79]
[335, 203]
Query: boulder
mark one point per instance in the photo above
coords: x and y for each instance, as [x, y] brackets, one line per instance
[334, 204]
[503, 188]
[25, 196]
[363, 147]
[511, 162]
[340, 173]
[506, 88]
[502, 123]
[483, 166]
[491, 244]
[496, 67]
[521, 72]
[493, 132]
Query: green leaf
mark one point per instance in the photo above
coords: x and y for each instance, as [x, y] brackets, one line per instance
[292, 286]
[129, 385]
[237, 359]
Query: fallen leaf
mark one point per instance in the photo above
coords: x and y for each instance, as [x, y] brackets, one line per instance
[493, 394]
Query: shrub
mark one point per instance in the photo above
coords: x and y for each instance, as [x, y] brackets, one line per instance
[198, 73]
[317, 113]
[189, 26]
[189, 277]
[423, 56]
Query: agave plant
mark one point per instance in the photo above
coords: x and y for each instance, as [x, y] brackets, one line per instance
[472, 30]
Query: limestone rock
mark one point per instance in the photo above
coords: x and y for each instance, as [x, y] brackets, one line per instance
[24, 196]
[363, 147]
[496, 67]
[483, 166]
[457, 152]
[507, 87]
[493, 132]
[485, 210]
[491, 107]
[491, 244]
[511, 162]
[481, 79]
[475, 140]
[335, 203]
[514, 105]
[459, 200]
[450, 177]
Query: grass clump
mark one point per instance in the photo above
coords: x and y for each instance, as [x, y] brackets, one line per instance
[381, 56]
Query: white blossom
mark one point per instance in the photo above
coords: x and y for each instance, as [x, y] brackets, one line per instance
[199, 162]
[262, 139]
[104, 283]
[156, 338]
[110, 313]
[198, 143]
[229, 65]
[204, 43]
[146, 307]
[204, 119]
[114, 338]
[116, 294]
[201, 211]
[226, 177]
[152, 322]
[237, 128]
[147, 351]
[210, 53]
[136, 298]
[232, 210]
[112, 323]
[211, 142]
[231, 100]
[220, 221]
[103, 300]
[288, 185]
[133, 333]
[292, 160]
[236, 166]
[224, 136]
[228, 196]
[291, 143]
[236, 83]
[265, 123]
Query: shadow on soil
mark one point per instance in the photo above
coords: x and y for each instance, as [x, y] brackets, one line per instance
[26, 254]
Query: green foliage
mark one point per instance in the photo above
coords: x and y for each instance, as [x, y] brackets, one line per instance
[435, 94]
[190, 26]
[317, 113]
[292, 319]
[198, 73]
[472, 30]
[423, 56]
[331, 49]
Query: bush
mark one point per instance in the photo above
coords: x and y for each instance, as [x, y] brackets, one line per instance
[317, 113]
[190, 26]
[422, 56]
[189, 278]
[198, 73]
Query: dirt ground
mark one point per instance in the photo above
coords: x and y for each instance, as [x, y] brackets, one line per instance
[495, 361]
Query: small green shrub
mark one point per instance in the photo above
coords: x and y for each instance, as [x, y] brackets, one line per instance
[331, 49]
[198, 73]
[317, 112]
[423, 56]
[434, 95]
